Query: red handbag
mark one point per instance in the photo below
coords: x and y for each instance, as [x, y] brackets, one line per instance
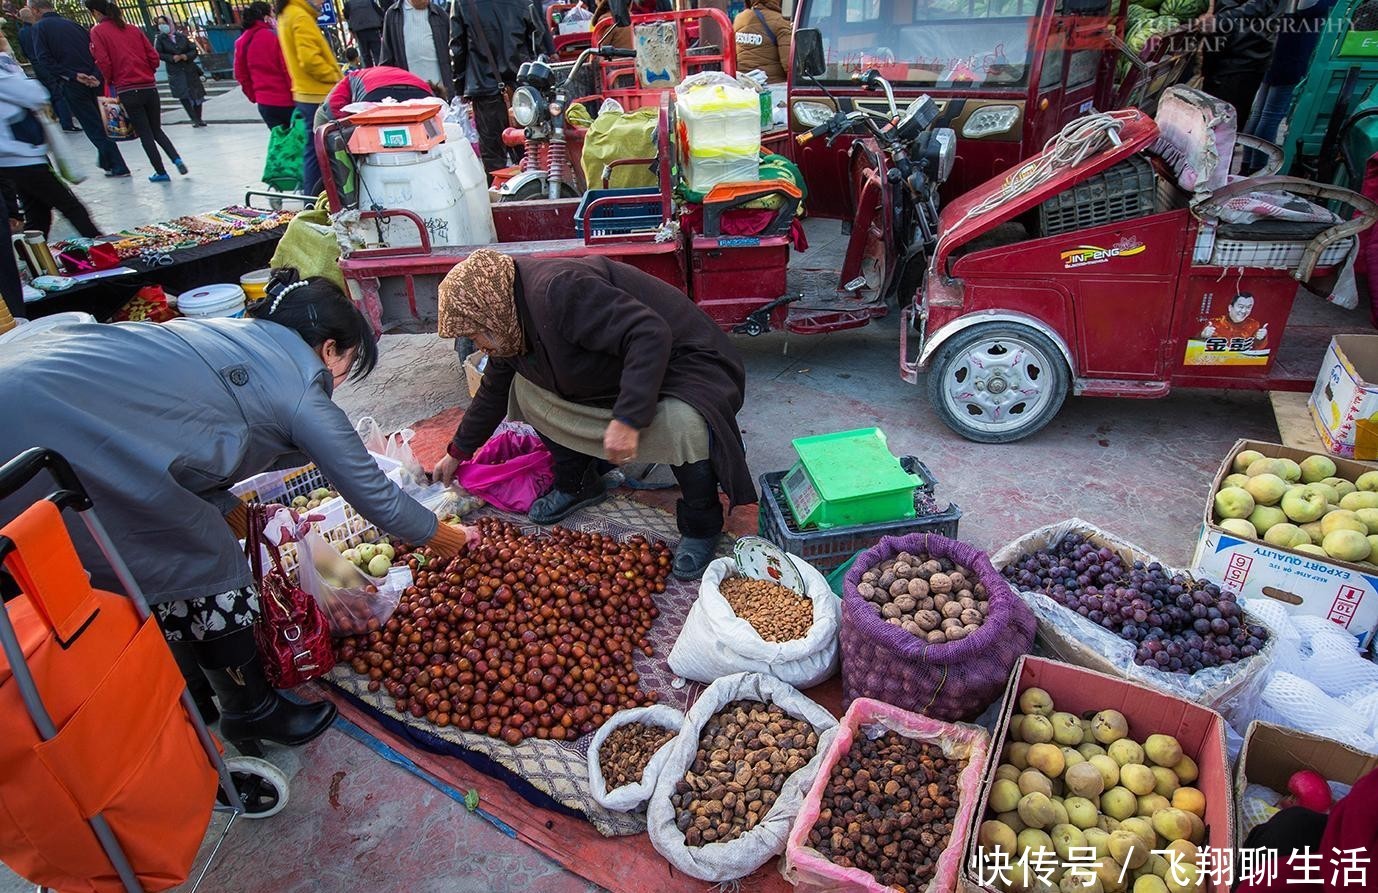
[292, 634]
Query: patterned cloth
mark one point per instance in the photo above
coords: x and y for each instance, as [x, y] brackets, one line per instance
[212, 617]
[478, 297]
[560, 768]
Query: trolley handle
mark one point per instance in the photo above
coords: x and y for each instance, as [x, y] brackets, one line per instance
[23, 468]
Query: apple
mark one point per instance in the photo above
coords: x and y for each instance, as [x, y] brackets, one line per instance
[1306, 504]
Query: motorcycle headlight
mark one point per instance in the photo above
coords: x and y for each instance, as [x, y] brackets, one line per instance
[990, 120]
[945, 139]
[812, 114]
[525, 103]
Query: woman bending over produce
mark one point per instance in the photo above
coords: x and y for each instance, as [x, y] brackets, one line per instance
[160, 420]
[603, 361]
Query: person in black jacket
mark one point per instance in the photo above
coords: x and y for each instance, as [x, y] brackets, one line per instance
[489, 40]
[1238, 51]
[184, 76]
[365, 19]
[416, 37]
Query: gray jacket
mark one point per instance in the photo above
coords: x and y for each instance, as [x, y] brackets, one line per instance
[160, 420]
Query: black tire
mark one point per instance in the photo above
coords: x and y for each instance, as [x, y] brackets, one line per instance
[1041, 370]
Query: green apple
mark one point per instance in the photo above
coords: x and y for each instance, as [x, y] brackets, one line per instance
[1265, 516]
[1239, 527]
[1267, 489]
[1233, 502]
[1245, 459]
[1317, 468]
[1306, 504]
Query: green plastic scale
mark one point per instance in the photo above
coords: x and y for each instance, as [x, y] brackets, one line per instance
[848, 478]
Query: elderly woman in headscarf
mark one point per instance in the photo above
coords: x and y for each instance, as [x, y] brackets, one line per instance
[605, 362]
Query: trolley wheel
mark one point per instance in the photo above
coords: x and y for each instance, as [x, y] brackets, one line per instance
[262, 786]
[998, 382]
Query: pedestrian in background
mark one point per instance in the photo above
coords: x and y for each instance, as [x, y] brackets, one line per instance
[312, 66]
[183, 74]
[416, 37]
[763, 38]
[365, 20]
[1239, 49]
[1299, 31]
[352, 62]
[24, 164]
[260, 69]
[490, 39]
[130, 64]
[45, 77]
[64, 48]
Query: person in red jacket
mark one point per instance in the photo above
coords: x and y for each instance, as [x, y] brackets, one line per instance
[128, 62]
[260, 69]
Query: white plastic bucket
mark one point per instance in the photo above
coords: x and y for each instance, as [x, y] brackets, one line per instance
[421, 182]
[223, 299]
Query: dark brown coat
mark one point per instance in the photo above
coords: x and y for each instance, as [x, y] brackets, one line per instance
[603, 333]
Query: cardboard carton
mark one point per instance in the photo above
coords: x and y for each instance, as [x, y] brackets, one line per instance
[1201, 733]
[1272, 754]
[1344, 404]
[1344, 592]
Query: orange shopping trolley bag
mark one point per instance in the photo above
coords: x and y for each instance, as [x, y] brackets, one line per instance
[108, 777]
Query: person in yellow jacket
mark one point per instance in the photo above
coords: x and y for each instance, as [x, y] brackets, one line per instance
[763, 39]
[312, 67]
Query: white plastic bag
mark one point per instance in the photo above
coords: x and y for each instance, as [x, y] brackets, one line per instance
[349, 597]
[716, 642]
[395, 446]
[736, 858]
[633, 796]
[576, 21]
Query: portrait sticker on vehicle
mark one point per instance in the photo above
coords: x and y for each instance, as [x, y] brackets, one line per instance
[1231, 334]
[1091, 255]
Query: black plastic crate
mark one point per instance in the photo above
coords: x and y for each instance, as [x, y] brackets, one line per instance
[828, 549]
[1123, 192]
[620, 218]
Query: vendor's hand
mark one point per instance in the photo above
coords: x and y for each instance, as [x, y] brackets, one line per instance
[620, 442]
[445, 470]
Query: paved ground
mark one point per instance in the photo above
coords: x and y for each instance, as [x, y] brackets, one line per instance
[356, 822]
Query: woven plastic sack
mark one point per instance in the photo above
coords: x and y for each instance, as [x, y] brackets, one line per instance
[310, 246]
[736, 858]
[811, 872]
[950, 681]
[632, 796]
[716, 642]
[1232, 690]
[617, 135]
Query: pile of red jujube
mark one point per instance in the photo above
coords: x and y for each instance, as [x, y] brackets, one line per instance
[523, 636]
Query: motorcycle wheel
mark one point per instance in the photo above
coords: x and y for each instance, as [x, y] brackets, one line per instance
[535, 190]
[998, 382]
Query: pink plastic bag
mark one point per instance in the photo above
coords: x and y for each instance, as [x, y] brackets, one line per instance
[509, 472]
[811, 872]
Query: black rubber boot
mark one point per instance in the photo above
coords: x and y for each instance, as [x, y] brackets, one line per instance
[200, 688]
[699, 516]
[251, 710]
[559, 504]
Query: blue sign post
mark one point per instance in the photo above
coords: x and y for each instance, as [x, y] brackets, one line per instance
[327, 13]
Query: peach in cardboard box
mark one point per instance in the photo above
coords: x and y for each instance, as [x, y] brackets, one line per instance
[1199, 732]
[1344, 592]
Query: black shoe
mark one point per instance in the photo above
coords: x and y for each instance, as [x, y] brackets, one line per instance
[253, 711]
[557, 505]
[692, 556]
[198, 123]
[123, 173]
[201, 692]
[71, 130]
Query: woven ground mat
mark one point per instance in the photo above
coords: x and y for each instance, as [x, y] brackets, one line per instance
[559, 769]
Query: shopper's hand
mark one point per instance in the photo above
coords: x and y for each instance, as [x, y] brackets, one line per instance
[445, 470]
[88, 80]
[450, 540]
[16, 225]
[620, 442]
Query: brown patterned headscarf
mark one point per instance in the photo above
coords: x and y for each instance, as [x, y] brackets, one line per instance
[479, 296]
